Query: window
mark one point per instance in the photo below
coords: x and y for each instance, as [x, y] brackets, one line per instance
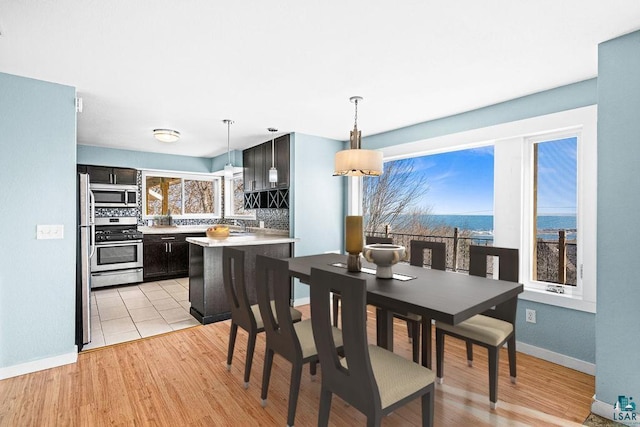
[180, 195]
[565, 141]
[554, 192]
[234, 199]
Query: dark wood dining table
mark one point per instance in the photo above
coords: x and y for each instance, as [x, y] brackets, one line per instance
[444, 296]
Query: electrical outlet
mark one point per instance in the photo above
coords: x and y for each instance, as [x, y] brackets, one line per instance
[530, 315]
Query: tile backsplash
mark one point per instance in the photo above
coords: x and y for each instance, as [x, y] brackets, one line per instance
[273, 218]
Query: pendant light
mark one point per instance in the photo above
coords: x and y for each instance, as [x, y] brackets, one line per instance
[228, 168]
[273, 172]
[356, 161]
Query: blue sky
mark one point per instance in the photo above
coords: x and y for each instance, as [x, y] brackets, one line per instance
[461, 182]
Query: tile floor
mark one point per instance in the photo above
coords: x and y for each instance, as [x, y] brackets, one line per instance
[127, 313]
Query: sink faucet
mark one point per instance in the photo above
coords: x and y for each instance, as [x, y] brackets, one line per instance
[242, 225]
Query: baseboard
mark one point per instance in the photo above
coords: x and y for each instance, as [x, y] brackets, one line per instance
[557, 358]
[602, 409]
[301, 301]
[39, 365]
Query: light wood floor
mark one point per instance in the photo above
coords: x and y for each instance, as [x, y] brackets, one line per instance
[180, 379]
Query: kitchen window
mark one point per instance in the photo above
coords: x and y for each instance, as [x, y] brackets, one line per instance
[234, 199]
[180, 195]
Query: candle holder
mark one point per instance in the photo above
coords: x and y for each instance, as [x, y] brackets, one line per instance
[354, 238]
[354, 263]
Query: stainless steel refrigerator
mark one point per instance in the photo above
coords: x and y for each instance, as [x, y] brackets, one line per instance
[86, 249]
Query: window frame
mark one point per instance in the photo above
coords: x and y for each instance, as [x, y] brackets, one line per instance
[228, 200]
[509, 199]
[528, 239]
[193, 176]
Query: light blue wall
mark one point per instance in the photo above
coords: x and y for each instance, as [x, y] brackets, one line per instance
[316, 198]
[217, 163]
[550, 101]
[568, 332]
[561, 330]
[38, 175]
[618, 306]
[90, 155]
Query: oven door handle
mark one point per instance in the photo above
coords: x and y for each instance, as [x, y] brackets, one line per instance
[117, 243]
[111, 273]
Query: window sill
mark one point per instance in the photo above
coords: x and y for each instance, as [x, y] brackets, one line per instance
[573, 302]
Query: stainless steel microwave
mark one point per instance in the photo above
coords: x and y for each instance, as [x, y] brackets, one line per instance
[115, 195]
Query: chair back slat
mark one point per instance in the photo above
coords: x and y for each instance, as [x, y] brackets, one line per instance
[438, 254]
[508, 270]
[235, 287]
[276, 286]
[355, 383]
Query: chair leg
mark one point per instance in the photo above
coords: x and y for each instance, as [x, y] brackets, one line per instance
[294, 389]
[325, 407]
[374, 420]
[251, 345]
[511, 346]
[439, 355]
[266, 375]
[409, 331]
[426, 342]
[415, 332]
[232, 343]
[469, 353]
[427, 408]
[494, 354]
[313, 369]
[336, 303]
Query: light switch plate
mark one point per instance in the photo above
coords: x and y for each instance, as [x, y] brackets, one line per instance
[49, 232]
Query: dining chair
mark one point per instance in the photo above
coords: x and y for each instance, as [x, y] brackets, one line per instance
[247, 316]
[292, 341]
[373, 380]
[491, 329]
[369, 240]
[438, 262]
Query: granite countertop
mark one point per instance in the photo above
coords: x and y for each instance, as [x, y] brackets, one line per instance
[241, 240]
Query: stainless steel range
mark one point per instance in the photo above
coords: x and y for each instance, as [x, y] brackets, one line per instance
[118, 252]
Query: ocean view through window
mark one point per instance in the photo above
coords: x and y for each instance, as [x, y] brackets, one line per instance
[449, 197]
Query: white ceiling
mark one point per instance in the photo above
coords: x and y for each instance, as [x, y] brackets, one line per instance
[293, 64]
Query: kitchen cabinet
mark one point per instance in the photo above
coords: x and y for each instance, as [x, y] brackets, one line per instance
[281, 161]
[258, 191]
[166, 256]
[109, 175]
[253, 160]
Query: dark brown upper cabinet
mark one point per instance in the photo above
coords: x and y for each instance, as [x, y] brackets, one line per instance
[109, 175]
[257, 161]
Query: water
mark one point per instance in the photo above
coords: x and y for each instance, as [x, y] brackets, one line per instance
[482, 225]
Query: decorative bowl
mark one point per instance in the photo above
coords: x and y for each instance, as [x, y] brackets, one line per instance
[218, 232]
[384, 256]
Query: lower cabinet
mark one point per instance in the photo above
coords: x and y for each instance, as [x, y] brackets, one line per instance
[166, 256]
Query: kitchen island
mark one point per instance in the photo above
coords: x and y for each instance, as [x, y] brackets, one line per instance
[206, 287]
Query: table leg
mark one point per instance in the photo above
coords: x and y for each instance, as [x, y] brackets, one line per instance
[426, 342]
[384, 328]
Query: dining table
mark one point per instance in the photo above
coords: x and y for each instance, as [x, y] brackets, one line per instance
[444, 296]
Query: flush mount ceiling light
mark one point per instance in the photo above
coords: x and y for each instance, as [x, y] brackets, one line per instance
[166, 135]
[273, 172]
[356, 161]
[228, 168]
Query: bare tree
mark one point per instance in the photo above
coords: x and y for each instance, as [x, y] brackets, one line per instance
[387, 198]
